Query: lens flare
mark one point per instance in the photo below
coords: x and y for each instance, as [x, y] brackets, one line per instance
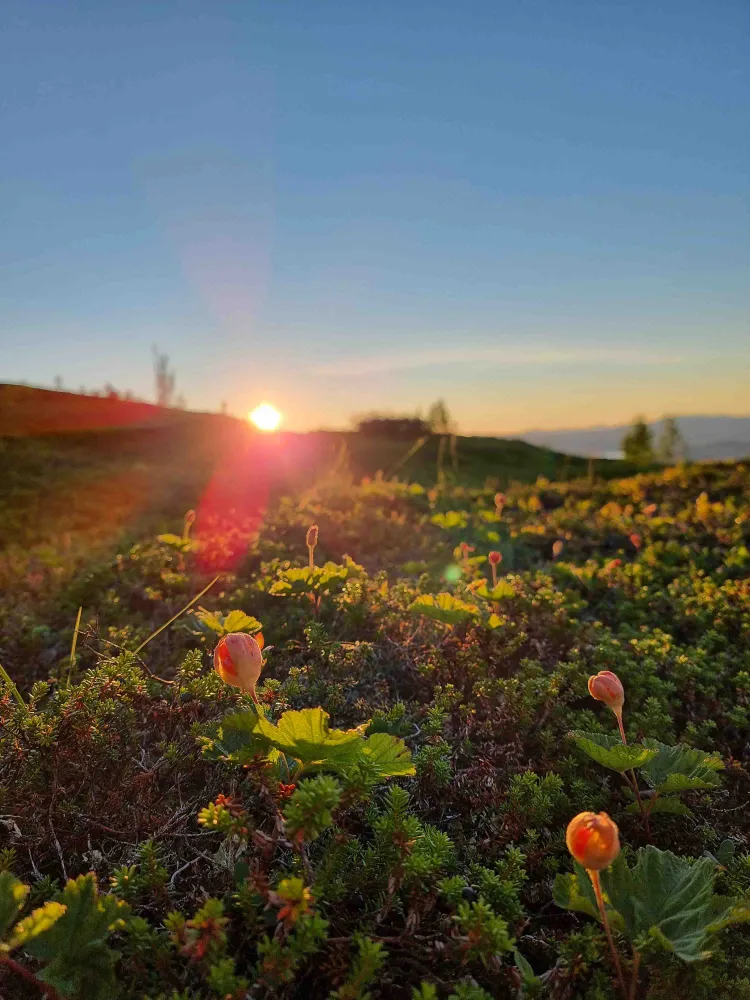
[265, 417]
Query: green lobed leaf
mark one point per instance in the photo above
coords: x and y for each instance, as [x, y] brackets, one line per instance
[80, 962]
[233, 621]
[610, 752]
[681, 768]
[664, 804]
[670, 900]
[388, 754]
[443, 608]
[306, 736]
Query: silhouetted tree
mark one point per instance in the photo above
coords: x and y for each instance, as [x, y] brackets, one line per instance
[671, 446]
[165, 379]
[638, 443]
[439, 419]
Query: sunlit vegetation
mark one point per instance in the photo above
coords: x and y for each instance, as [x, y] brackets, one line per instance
[395, 741]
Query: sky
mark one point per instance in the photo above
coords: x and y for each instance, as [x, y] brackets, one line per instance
[538, 211]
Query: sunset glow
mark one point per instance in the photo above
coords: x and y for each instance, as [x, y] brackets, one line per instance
[265, 417]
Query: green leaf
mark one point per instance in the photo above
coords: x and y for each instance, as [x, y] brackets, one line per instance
[575, 892]
[388, 754]
[234, 621]
[450, 519]
[37, 922]
[13, 895]
[74, 945]
[610, 752]
[176, 542]
[443, 608]
[664, 804]
[306, 736]
[681, 768]
[528, 976]
[504, 591]
[670, 900]
[235, 739]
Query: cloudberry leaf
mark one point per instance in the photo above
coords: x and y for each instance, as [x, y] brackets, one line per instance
[306, 736]
[443, 608]
[610, 752]
[681, 768]
[389, 754]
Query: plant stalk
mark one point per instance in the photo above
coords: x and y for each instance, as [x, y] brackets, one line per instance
[180, 612]
[74, 644]
[596, 882]
[12, 688]
[634, 974]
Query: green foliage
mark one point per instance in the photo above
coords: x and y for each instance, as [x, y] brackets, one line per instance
[283, 820]
[638, 443]
[610, 752]
[443, 608]
[306, 737]
[216, 624]
[370, 957]
[310, 809]
[74, 945]
[663, 903]
[318, 580]
[680, 769]
[482, 934]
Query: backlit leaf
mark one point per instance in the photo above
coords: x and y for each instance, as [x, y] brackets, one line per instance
[610, 752]
[443, 608]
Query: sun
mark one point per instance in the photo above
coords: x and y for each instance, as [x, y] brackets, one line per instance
[265, 417]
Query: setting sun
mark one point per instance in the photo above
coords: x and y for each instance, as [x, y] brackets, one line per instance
[265, 417]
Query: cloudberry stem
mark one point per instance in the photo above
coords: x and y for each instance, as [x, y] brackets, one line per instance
[634, 974]
[493, 567]
[622, 728]
[595, 881]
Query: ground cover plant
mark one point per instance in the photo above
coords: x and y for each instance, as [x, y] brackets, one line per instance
[387, 740]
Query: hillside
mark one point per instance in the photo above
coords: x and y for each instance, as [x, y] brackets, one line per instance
[708, 438]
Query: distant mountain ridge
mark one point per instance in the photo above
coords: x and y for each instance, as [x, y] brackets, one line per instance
[707, 437]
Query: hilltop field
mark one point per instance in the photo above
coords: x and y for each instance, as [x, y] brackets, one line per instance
[382, 812]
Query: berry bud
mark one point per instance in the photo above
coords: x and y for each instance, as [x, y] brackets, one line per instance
[593, 839]
[312, 536]
[607, 687]
[557, 548]
[238, 660]
[495, 558]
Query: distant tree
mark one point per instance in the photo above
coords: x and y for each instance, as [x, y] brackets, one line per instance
[165, 379]
[58, 383]
[180, 402]
[439, 419]
[671, 447]
[638, 443]
[110, 392]
[386, 425]
[224, 409]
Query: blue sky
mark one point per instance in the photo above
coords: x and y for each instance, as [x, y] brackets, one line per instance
[538, 211]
